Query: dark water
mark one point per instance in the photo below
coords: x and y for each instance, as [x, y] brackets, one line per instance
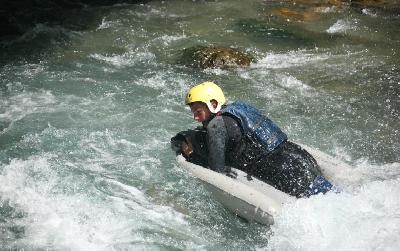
[87, 108]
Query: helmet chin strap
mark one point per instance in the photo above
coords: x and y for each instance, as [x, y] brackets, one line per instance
[212, 109]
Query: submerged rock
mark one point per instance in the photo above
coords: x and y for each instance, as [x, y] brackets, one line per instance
[299, 16]
[270, 32]
[216, 57]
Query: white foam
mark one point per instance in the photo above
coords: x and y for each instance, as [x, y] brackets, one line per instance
[124, 60]
[168, 39]
[293, 83]
[21, 105]
[367, 220]
[342, 26]
[365, 210]
[76, 220]
[217, 71]
[369, 12]
[107, 24]
[288, 60]
[282, 86]
[325, 9]
[156, 81]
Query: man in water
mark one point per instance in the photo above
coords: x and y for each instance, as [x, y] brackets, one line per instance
[238, 135]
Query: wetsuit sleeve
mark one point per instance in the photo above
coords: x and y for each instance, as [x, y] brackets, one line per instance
[216, 142]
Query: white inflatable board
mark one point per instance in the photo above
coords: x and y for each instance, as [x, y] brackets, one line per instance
[253, 199]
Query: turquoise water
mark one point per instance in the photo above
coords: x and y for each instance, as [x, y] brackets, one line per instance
[87, 110]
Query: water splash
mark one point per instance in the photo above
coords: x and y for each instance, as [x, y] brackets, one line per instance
[342, 26]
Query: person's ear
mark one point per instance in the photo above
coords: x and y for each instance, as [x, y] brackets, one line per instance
[214, 103]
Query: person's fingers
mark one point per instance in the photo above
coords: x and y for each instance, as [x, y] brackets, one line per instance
[187, 149]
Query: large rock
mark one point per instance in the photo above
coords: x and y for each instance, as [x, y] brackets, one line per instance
[216, 57]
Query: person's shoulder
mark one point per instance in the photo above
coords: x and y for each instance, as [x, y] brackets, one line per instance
[229, 118]
[235, 106]
[217, 119]
[216, 122]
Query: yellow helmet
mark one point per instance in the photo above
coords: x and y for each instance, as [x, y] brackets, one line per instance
[205, 92]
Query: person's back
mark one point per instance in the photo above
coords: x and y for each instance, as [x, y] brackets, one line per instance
[288, 167]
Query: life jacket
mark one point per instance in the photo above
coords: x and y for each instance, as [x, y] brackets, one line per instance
[260, 129]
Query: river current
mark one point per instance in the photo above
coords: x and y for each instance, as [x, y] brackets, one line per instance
[87, 110]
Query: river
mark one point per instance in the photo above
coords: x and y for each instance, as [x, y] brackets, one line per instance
[87, 110]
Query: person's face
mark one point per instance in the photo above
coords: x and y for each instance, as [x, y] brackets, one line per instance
[200, 111]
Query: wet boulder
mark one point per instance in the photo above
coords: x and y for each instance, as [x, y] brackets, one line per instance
[216, 57]
[306, 10]
[297, 16]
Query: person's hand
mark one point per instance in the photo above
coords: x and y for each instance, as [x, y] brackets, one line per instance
[187, 148]
[231, 174]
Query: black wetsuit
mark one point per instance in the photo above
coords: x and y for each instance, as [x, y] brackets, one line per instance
[288, 168]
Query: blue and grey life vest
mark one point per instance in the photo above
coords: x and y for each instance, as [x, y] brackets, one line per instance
[255, 125]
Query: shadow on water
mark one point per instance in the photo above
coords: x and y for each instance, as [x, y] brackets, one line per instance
[29, 29]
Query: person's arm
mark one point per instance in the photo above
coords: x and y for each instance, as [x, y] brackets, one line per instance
[216, 142]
